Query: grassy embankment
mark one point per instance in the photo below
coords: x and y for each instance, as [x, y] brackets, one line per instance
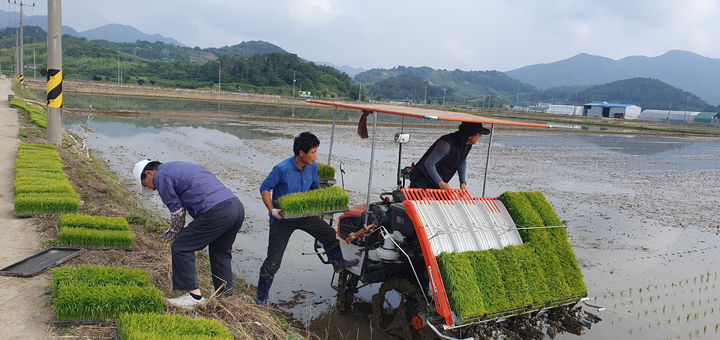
[102, 194]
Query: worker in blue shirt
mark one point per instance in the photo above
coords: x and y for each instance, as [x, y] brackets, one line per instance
[295, 174]
[217, 216]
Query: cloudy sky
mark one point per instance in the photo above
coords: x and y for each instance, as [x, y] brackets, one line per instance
[468, 35]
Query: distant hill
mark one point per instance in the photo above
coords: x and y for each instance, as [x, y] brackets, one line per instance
[681, 69]
[246, 49]
[349, 70]
[647, 93]
[110, 32]
[469, 84]
[407, 88]
[124, 33]
[10, 19]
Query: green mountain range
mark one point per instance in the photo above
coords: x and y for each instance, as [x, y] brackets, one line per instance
[258, 66]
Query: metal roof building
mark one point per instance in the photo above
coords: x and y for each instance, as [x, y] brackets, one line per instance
[611, 110]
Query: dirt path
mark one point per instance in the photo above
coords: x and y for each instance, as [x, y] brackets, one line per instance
[23, 314]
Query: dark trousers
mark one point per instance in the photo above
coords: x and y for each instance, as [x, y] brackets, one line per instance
[215, 229]
[280, 232]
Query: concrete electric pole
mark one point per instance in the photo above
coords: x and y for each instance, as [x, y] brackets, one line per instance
[54, 72]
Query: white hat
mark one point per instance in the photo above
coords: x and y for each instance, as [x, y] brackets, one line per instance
[137, 174]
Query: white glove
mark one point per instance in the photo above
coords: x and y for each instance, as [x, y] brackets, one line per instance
[277, 213]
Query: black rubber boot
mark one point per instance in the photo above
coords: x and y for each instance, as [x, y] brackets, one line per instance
[263, 290]
[336, 258]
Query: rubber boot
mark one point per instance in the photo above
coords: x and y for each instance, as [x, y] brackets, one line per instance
[263, 290]
[336, 258]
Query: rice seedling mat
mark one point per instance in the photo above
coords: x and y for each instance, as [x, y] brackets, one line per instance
[113, 230]
[40, 262]
[93, 294]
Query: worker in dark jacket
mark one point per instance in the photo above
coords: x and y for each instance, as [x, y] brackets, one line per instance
[446, 157]
[298, 173]
[217, 216]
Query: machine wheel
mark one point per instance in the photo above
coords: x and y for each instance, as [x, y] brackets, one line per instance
[403, 321]
[347, 287]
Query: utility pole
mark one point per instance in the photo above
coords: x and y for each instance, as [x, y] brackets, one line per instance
[360, 93]
[118, 73]
[425, 99]
[34, 65]
[218, 75]
[17, 49]
[293, 84]
[54, 72]
[443, 103]
[20, 50]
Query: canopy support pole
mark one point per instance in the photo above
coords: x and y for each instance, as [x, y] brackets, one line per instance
[402, 129]
[487, 159]
[372, 161]
[332, 136]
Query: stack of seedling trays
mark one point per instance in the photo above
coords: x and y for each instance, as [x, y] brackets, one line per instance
[95, 232]
[41, 187]
[37, 115]
[323, 201]
[176, 327]
[326, 175]
[542, 272]
[92, 294]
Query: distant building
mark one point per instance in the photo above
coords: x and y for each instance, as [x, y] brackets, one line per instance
[305, 94]
[668, 116]
[610, 110]
[676, 116]
[565, 110]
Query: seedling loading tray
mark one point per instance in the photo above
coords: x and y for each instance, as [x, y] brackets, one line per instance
[40, 262]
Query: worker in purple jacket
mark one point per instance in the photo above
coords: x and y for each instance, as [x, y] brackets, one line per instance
[217, 216]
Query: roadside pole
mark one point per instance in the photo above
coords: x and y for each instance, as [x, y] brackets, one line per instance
[54, 74]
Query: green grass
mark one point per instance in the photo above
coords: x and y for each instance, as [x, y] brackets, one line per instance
[325, 171]
[105, 302]
[93, 276]
[93, 222]
[325, 199]
[96, 238]
[163, 326]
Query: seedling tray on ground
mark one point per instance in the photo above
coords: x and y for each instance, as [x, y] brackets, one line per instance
[318, 213]
[40, 262]
[57, 231]
[77, 322]
[34, 215]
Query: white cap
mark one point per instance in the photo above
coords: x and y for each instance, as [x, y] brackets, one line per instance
[137, 173]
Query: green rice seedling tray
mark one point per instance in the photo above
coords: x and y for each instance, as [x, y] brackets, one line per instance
[40, 262]
[319, 213]
[165, 326]
[93, 276]
[314, 201]
[79, 303]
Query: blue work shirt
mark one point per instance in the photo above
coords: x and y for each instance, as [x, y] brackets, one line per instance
[189, 186]
[286, 178]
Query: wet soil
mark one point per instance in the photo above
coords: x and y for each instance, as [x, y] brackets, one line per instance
[641, 211]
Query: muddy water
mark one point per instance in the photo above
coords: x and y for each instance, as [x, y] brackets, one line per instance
[642, 212]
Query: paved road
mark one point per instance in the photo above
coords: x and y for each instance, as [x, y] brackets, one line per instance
[23, 310]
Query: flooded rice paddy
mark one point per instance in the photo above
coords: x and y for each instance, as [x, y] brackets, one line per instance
[641, 211]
